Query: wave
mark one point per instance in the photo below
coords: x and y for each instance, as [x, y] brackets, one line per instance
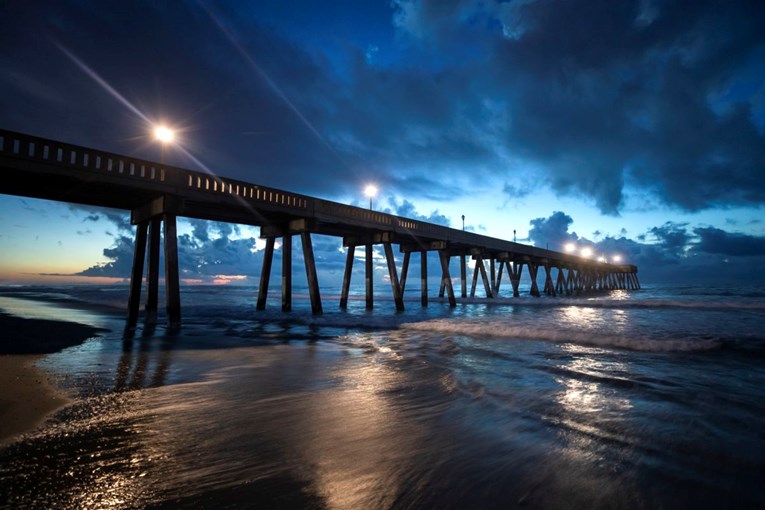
[497, 330]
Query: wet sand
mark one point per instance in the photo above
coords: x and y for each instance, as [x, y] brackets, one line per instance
[27, 396]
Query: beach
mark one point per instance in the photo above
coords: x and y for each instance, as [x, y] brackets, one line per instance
[27, 396]
[617, 401]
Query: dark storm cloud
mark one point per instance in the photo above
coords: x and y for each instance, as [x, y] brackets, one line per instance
[714, 240]
[598, 93]
[587, 97]
[672, 236]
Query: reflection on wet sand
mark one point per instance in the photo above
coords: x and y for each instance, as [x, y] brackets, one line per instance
[137, 363]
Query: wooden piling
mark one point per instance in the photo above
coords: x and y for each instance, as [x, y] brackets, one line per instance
[474, 284]
[484, 277]
[463, 275]
[493, 275]
[265, 273]
[446, 279]
[424, 278]
[404, 272]
[152, 280]
[310, 273]
[515, 278]
[395, 287]
[172, 278]
[347, 276]
[533, 268]
[496, 283]
[136, 274]
[369, 276]
[286, 273]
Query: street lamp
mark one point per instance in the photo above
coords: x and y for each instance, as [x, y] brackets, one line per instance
[586, 252]
[370, 191]
[570, 247]
[616, 258]
[463, 222]
[165, 135]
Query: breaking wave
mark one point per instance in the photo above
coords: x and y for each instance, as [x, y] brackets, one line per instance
[492, 329]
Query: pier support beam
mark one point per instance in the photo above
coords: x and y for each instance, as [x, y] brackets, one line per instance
[499, 278]
[492, 275]
[152, 279]
[549, 288]
[515, 276]
[424, 278]
[310, 273]
[287, 273]
[172, 280]
[446, 278]
[265, 274]
[484, 277]
[347, 276]
[369, 276]
[463, 275]
[442, 287]
[136, 275]
[533, 269]
[404, 272]
[397, 297]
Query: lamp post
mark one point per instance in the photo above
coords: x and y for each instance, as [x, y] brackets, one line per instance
[165, 135]
[370, 191]
[463, 222]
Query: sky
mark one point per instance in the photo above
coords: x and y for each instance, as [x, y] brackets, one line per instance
[636, 128]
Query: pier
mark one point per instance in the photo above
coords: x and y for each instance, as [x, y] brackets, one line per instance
[156, 194]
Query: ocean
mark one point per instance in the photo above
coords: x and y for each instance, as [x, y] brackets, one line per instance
[629, 400]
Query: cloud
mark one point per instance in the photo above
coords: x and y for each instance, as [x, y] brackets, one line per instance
[670, 252]
[120, 256]
[716, 241]
[589, 98]
[407, 209]
[672, 236]
[552, 232]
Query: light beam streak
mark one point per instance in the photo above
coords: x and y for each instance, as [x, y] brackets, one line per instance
[95, 76]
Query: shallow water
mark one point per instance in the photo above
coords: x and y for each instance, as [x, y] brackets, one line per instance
[650, 399]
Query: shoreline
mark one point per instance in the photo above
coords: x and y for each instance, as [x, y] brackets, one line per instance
[27, 395]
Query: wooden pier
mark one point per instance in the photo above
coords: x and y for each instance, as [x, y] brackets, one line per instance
[156, 194]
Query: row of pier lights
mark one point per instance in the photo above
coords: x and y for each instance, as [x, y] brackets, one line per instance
[166, 135]
[586, 252]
